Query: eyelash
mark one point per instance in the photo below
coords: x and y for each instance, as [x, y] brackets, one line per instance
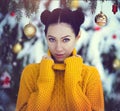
[51, 39]
[66, 40]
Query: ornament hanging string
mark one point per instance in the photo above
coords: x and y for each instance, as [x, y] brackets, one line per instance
[101, 5]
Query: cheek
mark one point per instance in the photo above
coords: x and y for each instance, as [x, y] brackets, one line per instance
[69, 48]
[51, 47]
[49, 44]
[71, 45]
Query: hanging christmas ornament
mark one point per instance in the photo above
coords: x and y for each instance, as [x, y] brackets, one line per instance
[17, 48]
[5, 80]
[114, 8]
[101, 19]
[74, 4]
[114, 36]
[30, 30]
[116, 63]
[12, 14]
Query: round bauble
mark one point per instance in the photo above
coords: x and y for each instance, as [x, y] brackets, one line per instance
[101, 19]
[30, 30]
[74, 4]
[116, 63]
[17, 48]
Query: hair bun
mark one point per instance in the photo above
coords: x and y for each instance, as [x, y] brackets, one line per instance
[79, 16]
[44, 16]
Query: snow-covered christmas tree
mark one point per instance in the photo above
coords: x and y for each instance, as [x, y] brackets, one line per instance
[98, 45]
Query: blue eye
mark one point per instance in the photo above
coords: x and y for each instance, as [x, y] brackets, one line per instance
[66, 40]
[51, 39]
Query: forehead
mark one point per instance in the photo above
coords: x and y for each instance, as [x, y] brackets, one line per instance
[60, 29]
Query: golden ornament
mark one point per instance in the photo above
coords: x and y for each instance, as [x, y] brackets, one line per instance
[116, 64]
[17, 48]
[74, 4]
[101, 19]
[29, 30]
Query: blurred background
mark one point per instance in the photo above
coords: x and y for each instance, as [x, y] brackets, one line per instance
[22, 41]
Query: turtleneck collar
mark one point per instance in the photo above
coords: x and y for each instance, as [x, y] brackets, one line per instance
[61, 66]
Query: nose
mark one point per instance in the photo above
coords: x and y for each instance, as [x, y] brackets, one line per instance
[58, 46]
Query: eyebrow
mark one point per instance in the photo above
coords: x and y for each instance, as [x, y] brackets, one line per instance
[61, 37]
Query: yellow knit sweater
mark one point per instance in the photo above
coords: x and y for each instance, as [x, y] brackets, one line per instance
[72, 86]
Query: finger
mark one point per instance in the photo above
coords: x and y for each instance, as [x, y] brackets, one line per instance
[78, 56]
[46, 57]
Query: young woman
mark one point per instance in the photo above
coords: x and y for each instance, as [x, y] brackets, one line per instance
[61, 81]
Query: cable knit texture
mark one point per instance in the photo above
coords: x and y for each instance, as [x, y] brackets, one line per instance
[71, 86]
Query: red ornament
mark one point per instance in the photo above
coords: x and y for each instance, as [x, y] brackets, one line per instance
[114, 8]
[114, 36]
[12, 14]
[6, 81]
[97, 28]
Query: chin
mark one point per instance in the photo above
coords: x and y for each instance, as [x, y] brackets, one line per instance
[59, 60]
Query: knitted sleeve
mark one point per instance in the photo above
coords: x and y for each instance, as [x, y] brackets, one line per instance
[76, 100]
[31, 98]
[82, 98]
[27, 87]
[94, 90]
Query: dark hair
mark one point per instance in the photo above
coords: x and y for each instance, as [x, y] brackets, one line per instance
[74, 18]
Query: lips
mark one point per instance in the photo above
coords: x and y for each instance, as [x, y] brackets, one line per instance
[59, 55]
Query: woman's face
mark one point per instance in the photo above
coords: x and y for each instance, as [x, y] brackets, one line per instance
[61, 41]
